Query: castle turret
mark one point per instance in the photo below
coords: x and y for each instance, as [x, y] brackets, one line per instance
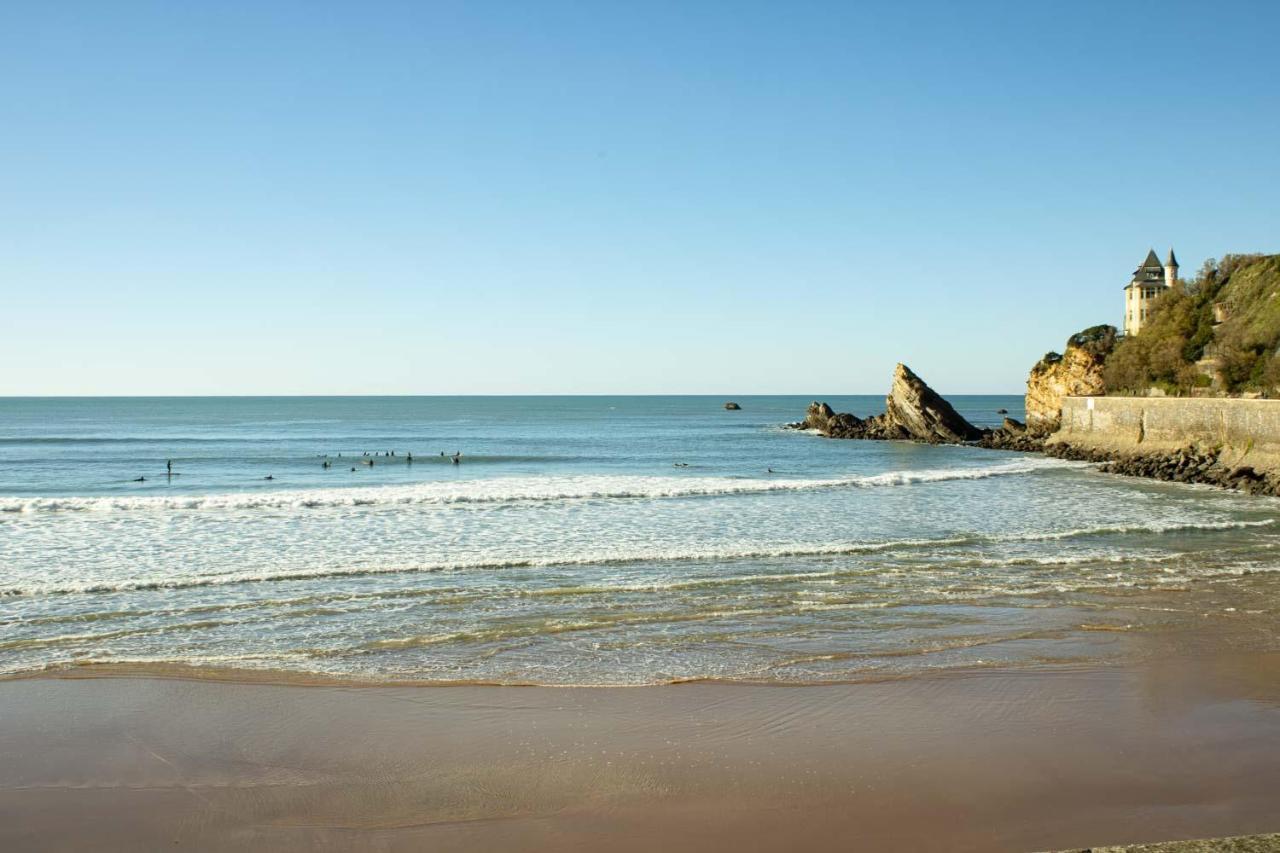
[1149, 281]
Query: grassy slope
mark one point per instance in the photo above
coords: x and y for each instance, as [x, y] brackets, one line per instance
[1181, 332]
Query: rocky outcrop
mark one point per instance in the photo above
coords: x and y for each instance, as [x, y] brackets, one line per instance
[1191, 464]
[816, 417]
[1013, 435]
[1076, 372]
[732, 407]
[913, 410]
[822, 418]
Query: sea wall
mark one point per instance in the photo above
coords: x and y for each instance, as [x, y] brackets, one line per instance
[1249, 427]
[1209, 440]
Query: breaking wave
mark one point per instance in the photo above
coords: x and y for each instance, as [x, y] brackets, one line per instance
[518, 489]
[615, 558]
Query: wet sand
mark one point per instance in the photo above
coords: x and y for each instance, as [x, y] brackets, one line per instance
[992, 760]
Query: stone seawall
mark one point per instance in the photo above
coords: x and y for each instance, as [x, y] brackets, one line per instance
[1226, 442]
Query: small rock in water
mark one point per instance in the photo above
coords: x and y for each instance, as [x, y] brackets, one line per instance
[732, 407]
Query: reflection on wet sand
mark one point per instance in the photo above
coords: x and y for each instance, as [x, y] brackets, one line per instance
[995, 760]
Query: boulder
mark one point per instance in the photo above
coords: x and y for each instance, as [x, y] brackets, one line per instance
[732, 407]
[1076, 372]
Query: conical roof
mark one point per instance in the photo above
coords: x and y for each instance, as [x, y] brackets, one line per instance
[1152, 260]
[1172, 262]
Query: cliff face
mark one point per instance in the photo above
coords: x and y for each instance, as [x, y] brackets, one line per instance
[1076, 372]
[913, 410]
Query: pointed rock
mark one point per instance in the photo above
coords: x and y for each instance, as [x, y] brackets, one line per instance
[913, 410]
[922, 414]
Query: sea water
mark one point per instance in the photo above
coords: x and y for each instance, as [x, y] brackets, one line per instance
[581, 540]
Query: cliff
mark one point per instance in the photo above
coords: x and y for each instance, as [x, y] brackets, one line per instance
[1077, 371]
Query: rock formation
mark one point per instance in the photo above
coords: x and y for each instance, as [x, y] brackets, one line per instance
[1191, 464]
[1013, 434]
[732, 407]
[1076, 372]
[913, 410]
[816, 416]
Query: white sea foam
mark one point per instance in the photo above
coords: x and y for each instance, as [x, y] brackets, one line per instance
[517, 489]
[605, 557]
[602, 558]
[1152, 526]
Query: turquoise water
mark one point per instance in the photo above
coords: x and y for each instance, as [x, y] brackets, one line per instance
[578, 540]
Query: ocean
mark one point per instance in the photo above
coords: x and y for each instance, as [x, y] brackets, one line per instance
[583, 541]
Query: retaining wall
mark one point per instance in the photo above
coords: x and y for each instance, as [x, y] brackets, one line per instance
[1247, 431]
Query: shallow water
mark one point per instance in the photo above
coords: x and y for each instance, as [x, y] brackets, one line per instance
[567, 547]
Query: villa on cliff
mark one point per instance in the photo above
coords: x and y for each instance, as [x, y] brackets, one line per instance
[1149, 281]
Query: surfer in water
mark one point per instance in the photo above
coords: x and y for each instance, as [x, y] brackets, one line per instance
[140, 479]
[457, 457]
[168, 466]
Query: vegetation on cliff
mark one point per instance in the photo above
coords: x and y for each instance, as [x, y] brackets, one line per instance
[1076, 371]
[1221, 330]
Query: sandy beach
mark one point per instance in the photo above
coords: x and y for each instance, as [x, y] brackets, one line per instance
[1184, 747]
[640, 428]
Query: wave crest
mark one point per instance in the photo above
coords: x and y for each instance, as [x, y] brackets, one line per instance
[517, 489]
[613, 558]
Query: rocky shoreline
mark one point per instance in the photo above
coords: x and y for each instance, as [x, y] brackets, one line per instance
[915, 412]
[1190, 464]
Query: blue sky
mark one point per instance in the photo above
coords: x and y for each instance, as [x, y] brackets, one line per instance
[727, 198]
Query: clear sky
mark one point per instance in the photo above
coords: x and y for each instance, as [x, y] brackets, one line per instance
[535, 197]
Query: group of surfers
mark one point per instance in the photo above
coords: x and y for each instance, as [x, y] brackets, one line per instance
[366, 459]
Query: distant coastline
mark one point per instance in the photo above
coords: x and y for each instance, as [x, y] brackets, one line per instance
[1181, 396]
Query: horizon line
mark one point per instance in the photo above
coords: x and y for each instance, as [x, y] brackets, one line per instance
[726, 397]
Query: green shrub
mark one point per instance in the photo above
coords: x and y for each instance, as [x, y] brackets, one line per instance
[1181, 329]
